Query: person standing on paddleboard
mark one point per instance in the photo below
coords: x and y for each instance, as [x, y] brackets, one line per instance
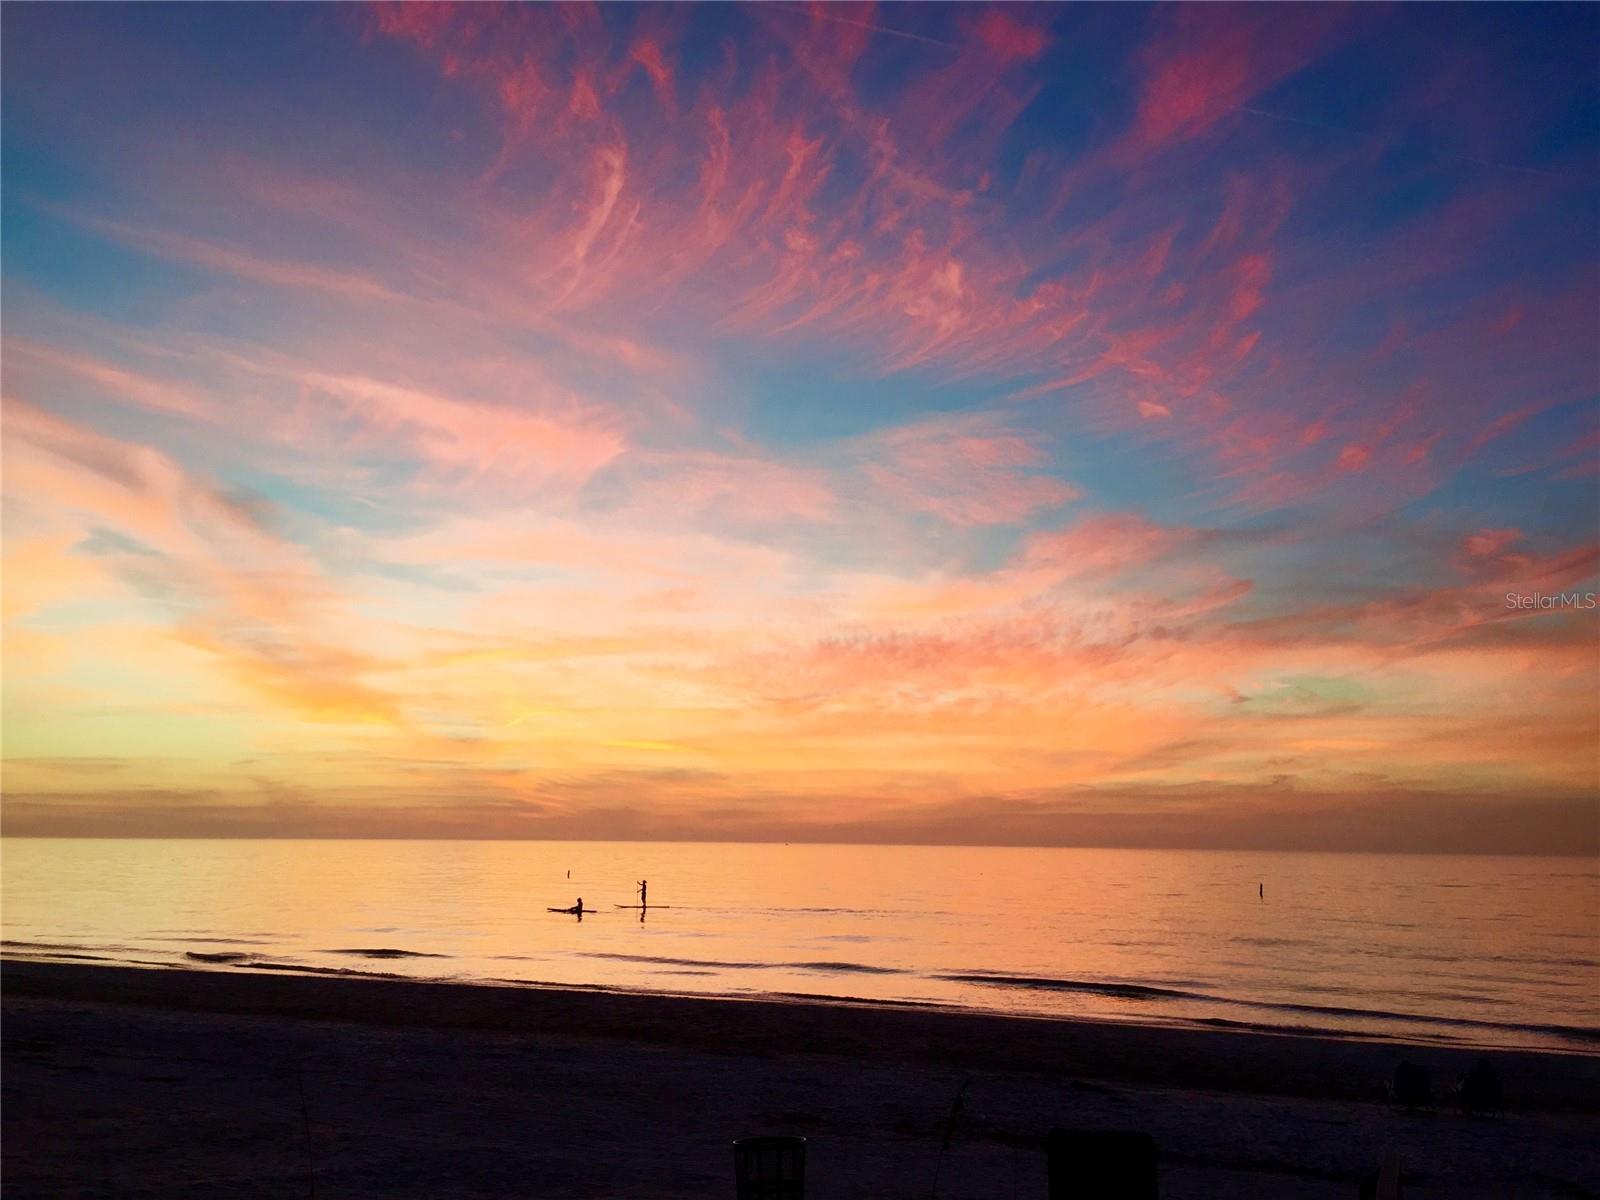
[644, 889]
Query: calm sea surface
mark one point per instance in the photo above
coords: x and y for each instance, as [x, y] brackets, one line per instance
[1492, 951]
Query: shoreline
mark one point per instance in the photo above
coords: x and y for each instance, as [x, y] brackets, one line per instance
[1297, 1018]
[1293, 1063]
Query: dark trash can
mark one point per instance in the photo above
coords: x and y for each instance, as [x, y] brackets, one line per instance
[1385, 1182]
[1096, 1164]
[770, 1168]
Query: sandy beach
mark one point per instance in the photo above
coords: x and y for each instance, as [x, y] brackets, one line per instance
[127, 1082]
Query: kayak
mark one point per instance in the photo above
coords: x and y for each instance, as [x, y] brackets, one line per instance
[573, 912]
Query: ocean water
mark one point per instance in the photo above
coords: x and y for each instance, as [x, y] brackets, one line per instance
[1482, 951]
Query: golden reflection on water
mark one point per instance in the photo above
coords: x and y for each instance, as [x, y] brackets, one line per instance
[1502, 941]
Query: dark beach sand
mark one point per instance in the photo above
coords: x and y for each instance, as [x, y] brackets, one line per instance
[127, 1082]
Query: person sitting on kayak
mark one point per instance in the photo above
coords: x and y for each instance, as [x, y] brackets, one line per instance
[578, 907]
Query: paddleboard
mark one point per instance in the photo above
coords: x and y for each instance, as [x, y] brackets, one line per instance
[640, 906]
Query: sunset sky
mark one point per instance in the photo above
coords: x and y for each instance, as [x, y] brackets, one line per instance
[1094, 425]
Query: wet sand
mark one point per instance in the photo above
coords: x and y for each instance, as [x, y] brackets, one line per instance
[128, 1082]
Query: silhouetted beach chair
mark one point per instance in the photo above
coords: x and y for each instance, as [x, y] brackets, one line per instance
[1412, 1086]
[1384, 1183]
[1480, 1089]
[1096, 1164]
[770, 1168]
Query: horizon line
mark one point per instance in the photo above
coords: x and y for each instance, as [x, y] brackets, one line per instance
[714, 841]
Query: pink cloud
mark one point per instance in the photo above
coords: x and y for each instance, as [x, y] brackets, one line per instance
[1489, 542]
[736, 489]
[1001, 32]
[1105, 544]
[967, 471]
[554, 441]
[1182, 319]
[346, 283]
[56, 465]
[146, 391]
[1201, 67]
[255, 603]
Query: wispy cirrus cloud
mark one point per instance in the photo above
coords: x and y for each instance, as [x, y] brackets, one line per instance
[982, 417]
[968, 470]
